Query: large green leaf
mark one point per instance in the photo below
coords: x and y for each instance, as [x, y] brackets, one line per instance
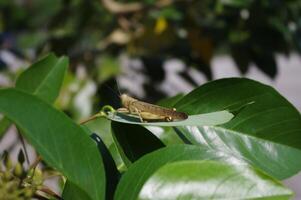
[62, 144]
[44, 78]
[138, 173]
[211, 180]
[136, 181]
[214, 118]
[277, 160]
[266, 133]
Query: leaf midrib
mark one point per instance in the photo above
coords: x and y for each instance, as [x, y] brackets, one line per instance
[51, 71]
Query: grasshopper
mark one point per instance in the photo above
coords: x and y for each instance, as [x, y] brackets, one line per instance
[147, 111]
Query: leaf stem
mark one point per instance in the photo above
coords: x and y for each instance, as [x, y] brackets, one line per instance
[102, 113]
[90, 118]
[48, 191]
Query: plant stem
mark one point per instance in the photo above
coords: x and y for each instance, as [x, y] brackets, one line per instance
[89, 119]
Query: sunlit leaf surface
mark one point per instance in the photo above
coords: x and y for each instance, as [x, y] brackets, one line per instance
[266, 133]
[138, 173]
[211, 180]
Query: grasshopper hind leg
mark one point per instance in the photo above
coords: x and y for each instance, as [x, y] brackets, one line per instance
[131, 111]
[135, 111]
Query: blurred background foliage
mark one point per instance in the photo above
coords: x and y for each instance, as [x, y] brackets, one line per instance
[98, 34]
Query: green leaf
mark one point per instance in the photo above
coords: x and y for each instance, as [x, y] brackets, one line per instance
[138, 173]
[134, 141]
[214, 118]
[267, 133]
[62, 144]
[44, 78]
[211, 180]
[71, 191]
[277, 160]
[102, 127]
[4, 125]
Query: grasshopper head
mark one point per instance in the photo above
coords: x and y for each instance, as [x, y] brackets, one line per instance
[126, 100]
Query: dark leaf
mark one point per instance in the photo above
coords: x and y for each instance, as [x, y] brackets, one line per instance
[112, 174]
[241, 58]
[134, 141]
[266, 62]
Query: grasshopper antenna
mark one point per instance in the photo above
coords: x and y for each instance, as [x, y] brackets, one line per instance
[118, 88]
[114, 91]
